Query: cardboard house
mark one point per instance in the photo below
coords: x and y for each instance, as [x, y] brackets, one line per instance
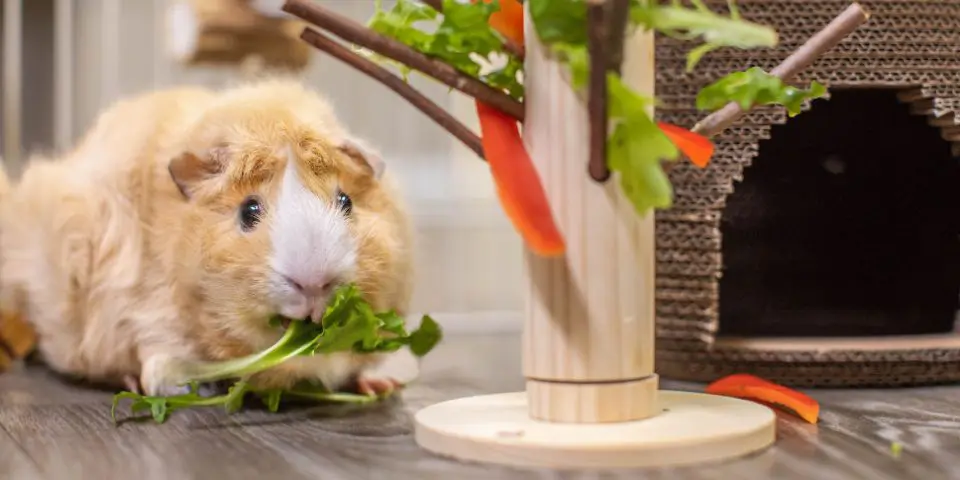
[823, 249]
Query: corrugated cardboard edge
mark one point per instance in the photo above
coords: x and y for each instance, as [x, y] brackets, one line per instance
[910, 45]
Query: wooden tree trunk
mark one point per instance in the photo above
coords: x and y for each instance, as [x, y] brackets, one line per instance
[592, 397]
[589, 333]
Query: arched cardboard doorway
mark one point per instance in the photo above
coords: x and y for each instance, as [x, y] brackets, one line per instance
[846, 224]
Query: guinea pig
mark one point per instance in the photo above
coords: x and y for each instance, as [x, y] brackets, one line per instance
[185, 219]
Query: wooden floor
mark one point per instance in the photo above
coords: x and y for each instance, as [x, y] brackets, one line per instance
[51, 430]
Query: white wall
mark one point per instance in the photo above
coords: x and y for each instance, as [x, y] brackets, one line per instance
[469, 256]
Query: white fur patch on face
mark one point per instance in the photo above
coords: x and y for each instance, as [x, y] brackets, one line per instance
[311, 243]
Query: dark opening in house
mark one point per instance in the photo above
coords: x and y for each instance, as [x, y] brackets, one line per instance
[846, 224]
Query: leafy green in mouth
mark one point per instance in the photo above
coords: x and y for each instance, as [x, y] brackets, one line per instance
[349, 324]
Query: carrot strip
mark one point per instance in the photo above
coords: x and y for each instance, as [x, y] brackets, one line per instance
[519, 189]
[509, 20]
[754, 388]
[696, 147]
[521, 194]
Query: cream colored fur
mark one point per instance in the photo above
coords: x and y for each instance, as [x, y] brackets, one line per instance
[123, 276]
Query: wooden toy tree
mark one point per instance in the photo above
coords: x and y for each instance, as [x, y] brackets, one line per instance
[592, 396]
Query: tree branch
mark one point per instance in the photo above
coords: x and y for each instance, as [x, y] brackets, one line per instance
[617, 14]
[397, 84]
[356, 33]
[435, 4]
[598, 49]
[841, 26]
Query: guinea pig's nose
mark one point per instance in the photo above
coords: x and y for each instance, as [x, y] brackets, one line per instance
[313, 289]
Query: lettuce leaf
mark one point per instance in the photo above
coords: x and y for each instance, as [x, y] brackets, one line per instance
[636, 149]
[160, 408]
[756, 87]
[560, 21]
[349, 324]
[461, 37]
[715, 30]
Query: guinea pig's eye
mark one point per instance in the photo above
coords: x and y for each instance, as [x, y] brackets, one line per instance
[344, 203]
[250, 212]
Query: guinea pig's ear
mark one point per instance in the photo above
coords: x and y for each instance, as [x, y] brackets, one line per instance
[364, 155]
[189, 169]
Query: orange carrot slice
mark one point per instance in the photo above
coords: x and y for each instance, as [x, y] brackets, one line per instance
[754, 388]
[509, 20]
[518, 184]
[696, 147]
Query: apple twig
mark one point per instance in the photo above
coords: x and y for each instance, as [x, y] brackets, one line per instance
[598, 48]
[398, 85]
[617, 15]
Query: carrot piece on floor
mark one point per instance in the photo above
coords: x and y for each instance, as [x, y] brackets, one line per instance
[696, 147]
[750, 387]
[518, 184]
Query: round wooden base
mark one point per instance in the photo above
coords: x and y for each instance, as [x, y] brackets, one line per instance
[691, 427]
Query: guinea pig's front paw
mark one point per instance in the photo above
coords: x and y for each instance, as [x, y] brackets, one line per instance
[375, 385]
[204, 389]
[160, 377]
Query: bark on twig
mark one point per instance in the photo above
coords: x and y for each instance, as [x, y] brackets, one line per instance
[838, 29]
[435, 4]
[398, 85]
[358, 34]
[617, 13]
[598, 48]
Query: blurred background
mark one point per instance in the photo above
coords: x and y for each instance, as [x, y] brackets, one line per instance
[65, 60]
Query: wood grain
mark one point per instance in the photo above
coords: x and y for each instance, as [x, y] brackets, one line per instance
[50, 429]
[590, 312]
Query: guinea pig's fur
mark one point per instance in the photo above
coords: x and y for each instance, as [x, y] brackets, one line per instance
[129, 253]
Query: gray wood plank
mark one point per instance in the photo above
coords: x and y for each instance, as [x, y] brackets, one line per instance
[52, 429]
[82, 442]
[14, 462]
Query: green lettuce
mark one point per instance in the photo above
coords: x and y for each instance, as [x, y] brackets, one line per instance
[715, 30]
[461, 37]
[756, 87]
[349, 324]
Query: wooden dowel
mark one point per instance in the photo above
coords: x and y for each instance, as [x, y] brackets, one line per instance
[395, 83]
[358, 34]
[588, 347]
[597, 46]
